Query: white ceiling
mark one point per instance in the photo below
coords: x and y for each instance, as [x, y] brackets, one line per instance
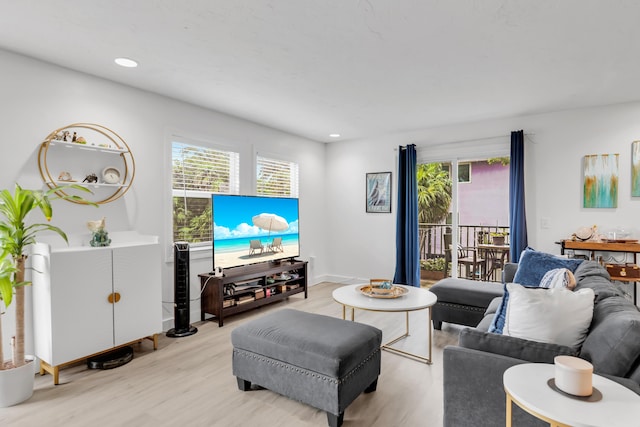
[362, 68]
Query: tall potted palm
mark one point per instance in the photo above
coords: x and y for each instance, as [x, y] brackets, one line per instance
[15, 237]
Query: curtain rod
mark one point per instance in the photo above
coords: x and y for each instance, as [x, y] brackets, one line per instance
[472, 139]
[484, 138]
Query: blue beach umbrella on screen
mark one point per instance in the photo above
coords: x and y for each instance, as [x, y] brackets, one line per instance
[270, 222]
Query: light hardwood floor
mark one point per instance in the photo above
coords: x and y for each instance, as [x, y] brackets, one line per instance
[188, 382]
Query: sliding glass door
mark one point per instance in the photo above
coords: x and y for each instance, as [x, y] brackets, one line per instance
[463, 213]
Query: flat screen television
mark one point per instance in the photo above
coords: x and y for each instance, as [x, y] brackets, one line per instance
[253, 229]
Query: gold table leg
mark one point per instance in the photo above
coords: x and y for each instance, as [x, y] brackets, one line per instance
[509, 413]
[389, 345]
[344, 312]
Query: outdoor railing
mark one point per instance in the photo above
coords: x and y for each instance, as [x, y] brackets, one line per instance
[432, 237]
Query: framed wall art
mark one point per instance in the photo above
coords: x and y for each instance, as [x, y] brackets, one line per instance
[601, 181]
[635, 169]
[379, 192]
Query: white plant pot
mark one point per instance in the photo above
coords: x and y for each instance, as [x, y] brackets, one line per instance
[16, 385]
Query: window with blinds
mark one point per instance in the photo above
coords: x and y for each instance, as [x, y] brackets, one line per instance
[196, 173]
[276, 177]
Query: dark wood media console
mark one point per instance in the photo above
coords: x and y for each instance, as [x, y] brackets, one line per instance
[249, 287]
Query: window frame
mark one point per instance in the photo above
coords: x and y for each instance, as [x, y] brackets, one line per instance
[449, 168]
[470, 171]
[200, 249]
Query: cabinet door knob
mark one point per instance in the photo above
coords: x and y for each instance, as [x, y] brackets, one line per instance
[113, 297]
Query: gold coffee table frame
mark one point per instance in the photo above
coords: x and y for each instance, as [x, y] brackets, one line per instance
[416, 299]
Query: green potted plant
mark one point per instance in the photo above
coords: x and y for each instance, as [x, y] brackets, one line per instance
[15, 237]
[498, 237]
[432, 268]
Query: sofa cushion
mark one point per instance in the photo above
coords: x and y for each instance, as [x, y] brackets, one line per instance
[493, 306]
[634, 373]
[468, 292]
[533, 265]
[484, 324]
[489, 313]
[509, 272]
[592, 275]
[613, 343]
[556, 315]
[531, 351]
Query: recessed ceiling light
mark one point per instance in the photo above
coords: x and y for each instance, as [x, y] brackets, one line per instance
[334, 135]
[126, 62]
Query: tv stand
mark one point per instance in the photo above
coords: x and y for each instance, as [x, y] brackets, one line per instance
[252, 286]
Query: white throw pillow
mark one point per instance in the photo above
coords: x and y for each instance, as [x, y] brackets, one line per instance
[557, 315]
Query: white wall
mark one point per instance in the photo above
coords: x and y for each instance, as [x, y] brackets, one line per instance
[38, 98]
[363, 245]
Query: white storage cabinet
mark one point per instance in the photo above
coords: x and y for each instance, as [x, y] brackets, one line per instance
[89, 300]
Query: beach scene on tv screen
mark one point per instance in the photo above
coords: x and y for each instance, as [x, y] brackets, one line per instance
[249, 229]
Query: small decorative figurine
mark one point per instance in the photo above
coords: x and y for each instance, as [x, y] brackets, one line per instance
[100, 236]
[92, 177]
[74, 137]
[65, 135]
[385, 285]
[65, 176]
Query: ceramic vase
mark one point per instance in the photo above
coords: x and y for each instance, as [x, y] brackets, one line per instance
[16, 384]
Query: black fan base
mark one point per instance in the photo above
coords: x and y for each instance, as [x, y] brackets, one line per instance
[181, 332]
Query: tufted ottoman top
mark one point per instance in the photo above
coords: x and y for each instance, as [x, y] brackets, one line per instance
[323, 344]
[467, 292]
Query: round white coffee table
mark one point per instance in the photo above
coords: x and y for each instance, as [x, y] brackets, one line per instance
[414, 299]
[526, 386]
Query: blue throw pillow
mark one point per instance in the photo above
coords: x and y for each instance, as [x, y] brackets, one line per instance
[532, 267]
[497, 324]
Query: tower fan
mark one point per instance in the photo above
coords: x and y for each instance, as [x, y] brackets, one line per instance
[181, 311]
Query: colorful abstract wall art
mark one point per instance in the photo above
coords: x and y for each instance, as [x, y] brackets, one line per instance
[635, 169]
[601, 181]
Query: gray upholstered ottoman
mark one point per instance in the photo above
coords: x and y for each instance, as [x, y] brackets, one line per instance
[462, 301]
[322, 361]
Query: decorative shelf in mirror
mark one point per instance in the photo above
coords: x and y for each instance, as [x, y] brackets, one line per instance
[89, 155]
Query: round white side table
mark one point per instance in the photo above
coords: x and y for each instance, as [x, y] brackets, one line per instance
[526, 386]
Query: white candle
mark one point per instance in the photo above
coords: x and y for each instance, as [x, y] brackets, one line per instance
[573, 375]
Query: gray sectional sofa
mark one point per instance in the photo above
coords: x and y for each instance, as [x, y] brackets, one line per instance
[473, 370]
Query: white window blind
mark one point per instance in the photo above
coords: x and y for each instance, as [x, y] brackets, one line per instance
[276, 177]
[196, 173]
[482, 148]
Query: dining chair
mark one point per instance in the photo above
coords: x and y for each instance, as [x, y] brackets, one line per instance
[470, 258]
